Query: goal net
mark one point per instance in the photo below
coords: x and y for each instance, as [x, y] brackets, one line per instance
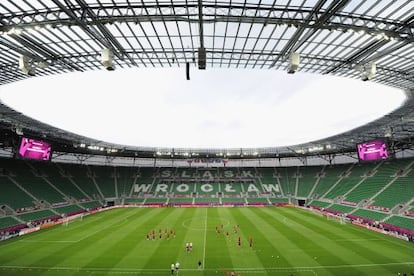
[68, 220]
[340, 219]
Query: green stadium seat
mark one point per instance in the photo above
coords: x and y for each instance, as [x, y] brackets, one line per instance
[105, 179]
[318, 203]
[36, 215]
[331, 174]
[374, 215]
[7, 222]
[341, 208]
[399, 192]
[404, 222]
[307, 179]
[68, 209]
[13, 196]
[351, 180]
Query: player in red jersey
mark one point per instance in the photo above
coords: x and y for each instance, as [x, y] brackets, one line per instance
[251, 242]
[239, 241]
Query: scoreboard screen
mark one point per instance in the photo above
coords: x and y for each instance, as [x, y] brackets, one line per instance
[34, 149]
[372, 150]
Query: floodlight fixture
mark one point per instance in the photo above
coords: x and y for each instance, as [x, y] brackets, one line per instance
[107, 59]
[26, 66]
[294, 61]
[368, 71]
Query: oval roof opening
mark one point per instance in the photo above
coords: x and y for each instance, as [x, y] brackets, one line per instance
[217, 108]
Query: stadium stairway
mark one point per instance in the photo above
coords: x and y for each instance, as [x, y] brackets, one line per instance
[92, 175]
[45, 178]
[66, 174]
[396, 195]
[125, 177]
[136, 181]
[346, 173]
[13, 197]
[407, 207]
[24, 190]
[363, 179]
[297, 176]
[80, 189]
[284, 176]
[308, 178]
[396, 176]
[314, 187]
[116, 183]
[327, 177]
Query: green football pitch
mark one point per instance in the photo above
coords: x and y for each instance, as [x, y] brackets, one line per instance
[286, 241]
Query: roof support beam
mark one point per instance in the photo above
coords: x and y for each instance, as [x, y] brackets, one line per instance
[202, 56]
[200, 22]
[30, 44]
[107, 34]
[365, 55]
[20, 50]
[294, 43]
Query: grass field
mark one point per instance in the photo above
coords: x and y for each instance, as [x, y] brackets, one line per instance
[286, 241]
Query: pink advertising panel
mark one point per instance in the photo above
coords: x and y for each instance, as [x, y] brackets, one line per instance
[34, 149]
[372, 150]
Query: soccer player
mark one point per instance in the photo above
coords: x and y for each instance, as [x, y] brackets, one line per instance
[199, 264]
[239, 241]
[177, 266]
[172, 269]
[251, 242]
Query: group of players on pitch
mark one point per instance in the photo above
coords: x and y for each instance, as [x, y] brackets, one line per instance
[236, 228]
[167, 233]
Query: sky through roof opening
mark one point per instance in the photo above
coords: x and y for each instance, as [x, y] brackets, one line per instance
[217, 108]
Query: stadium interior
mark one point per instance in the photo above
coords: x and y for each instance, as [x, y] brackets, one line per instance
[39, 192]
[365, 40]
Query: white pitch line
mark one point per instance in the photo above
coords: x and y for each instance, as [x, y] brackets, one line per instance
[42, 241]
[246, 269]
[205, 240]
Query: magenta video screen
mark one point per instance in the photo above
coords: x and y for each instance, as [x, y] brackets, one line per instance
[372, 150]
[34, 149]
